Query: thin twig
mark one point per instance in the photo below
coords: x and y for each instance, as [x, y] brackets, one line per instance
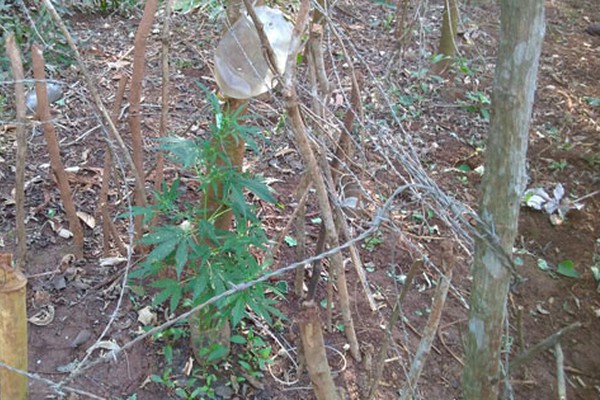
[376, 376]
[560, 372]
[264, 40]
[433, 322]
[303, 191]
[538, 348]
[108, 227]
[299, 130]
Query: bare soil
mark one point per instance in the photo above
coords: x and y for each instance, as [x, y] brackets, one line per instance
[564, 148]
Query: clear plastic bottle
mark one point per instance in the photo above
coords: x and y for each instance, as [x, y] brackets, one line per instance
[241, 70]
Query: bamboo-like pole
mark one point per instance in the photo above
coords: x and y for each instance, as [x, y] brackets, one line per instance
[13, 330]
[14, 55]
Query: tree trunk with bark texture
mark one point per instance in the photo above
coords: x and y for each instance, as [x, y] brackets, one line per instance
[521, 37]
[447, 46]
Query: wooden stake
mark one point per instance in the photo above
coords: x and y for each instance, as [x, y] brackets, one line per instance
[135, 99]
[17, 69]
[43, 113]
[13, 330]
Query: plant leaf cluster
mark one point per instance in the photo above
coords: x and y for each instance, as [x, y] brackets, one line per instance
[206, 260]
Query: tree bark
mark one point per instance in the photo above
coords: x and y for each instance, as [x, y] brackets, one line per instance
[447, 46]
[521, 36]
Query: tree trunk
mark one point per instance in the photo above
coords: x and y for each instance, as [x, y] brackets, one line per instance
[447, 46]
[521, 36]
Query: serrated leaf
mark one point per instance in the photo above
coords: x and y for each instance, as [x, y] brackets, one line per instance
[281, 288]
[163, 234]
[175, 298]
[162, 251]
[165, 283]
[199, 286]
[147, 212]
[567, 268]
[181, 257]
[161, 297]
[238, 311]
[259, 189]
[238, 202]
[171, 288]
[184, 151]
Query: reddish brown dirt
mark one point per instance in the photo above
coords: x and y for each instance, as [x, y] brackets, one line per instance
[564, 148]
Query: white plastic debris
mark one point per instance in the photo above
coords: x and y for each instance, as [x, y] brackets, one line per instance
[556, 206]
[54, 93]
[241, 69]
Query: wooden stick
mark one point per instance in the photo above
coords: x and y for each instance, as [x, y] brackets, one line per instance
[545, 344]
[560, 372]
[439, 300]
[302, 196]
[376, 375]
[135, 118]
[14, 55]
[164, 110]
[43, 112]
[108, 228]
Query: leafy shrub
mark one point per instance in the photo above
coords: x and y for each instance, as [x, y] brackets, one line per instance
[208, 261]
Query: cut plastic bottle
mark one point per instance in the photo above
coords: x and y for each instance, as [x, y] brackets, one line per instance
[241, 70]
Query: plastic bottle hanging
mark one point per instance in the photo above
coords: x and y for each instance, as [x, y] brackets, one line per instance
[241, 70]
